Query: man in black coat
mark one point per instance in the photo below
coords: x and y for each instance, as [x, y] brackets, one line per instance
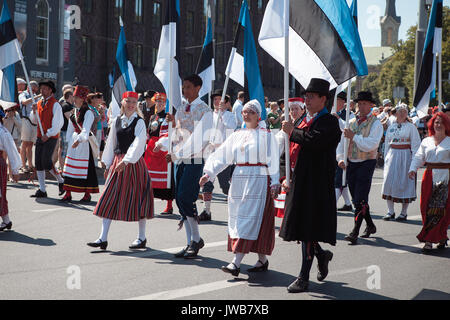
[310, 212]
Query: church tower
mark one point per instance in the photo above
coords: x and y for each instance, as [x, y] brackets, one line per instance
[390, 25]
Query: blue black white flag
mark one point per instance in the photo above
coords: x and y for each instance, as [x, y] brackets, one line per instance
[167, 54]
[354, 10]
[426, 83]
[243, 66]
[125, 78]
[323, 40]
[205, 68]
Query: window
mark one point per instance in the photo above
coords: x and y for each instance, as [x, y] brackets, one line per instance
[88, 6]
[220, 13]
[87, 50]
[42, 29]
[118, 8]
[138, 12]
[190, 22]
[156, 14]
[138, 56]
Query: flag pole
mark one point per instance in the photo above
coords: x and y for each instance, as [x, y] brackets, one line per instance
[169, 166]
[29, 86]
[347, 141]
[439, 54]
[286, 89]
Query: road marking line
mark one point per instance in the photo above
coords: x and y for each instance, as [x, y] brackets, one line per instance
[190, 291]
[417, 245]
[52, 210]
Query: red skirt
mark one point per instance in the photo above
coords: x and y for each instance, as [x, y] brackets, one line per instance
[435, 220]
[3, 181]
[128, 195]
[266, 237]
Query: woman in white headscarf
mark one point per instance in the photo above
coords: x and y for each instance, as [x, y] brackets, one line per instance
[254, 184]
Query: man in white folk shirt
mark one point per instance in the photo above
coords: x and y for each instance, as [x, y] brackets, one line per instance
[193, 122]
[225, 122]
[51, 117]
[237, 108]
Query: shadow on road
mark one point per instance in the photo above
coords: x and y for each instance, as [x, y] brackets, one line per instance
[428, 294]
[87, 206]
[12, 236]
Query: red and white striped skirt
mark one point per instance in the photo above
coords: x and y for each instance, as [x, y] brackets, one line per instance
[128, 195]
[266, 237]
[3, 181]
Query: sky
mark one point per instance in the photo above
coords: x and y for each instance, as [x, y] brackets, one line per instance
[370, 11]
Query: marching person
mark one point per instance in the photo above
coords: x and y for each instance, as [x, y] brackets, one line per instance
[434, 153]
[148, 107]
[50, 114]
[13, 124]
[341, 114]
[224, 123]
[310, 212]
[237, 108]
[401, 143]
[79, 167]
[7, 146]
[156, 162]
[193, 122]
[364, 132]
[128, 194]
[251, 220]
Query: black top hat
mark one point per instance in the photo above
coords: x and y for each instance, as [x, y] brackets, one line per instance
[280, 101]
[49, 84]
[149, 94]
[319, 86]
[218, 93]
[364, 96]
[342, 95]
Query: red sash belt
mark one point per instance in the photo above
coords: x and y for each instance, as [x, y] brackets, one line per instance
[400, 146]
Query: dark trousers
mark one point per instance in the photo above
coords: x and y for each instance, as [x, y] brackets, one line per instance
[187, 176]
[309, 250]
[224, 181]
[359, 178]
[43, 154]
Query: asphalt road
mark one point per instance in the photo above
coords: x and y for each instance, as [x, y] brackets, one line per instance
[45, 257]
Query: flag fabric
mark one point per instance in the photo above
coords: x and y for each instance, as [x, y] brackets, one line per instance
[8, 40]
[323, 40]
[168, 52]
[354, 10]
[205, 67]
[8, 86]
[125, 78]
[426, 83]
[243, 66]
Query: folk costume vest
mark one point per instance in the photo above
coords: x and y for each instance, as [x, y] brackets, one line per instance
[362, 128]
[125, 136]
[45, 112]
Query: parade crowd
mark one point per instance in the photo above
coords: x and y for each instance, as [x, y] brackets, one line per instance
[76, 135]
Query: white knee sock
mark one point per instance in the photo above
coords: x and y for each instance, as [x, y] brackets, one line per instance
[141, 234]
[106, 223]
[6, 219]
[346, 196]
[237, 259]
[194, 228]
[261, 258]
[41, 179]
[187, 227]
[390, 205]
[338, 194]
[208, 206]
[404, 208]
[57, 176]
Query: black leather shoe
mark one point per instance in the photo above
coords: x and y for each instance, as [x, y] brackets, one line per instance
[369, 231]
[401, 218]
[353, 239]
[170, 211]
[141, 245]
[193, 249]
[204, 216]
[39, 194]
[299, 285]
[346, 208]
[66, 199]
[389, 216]
[234, 272]
[86, 199]
[61, 188]
[261, 268]
[180, 254]
[440, 246]
[102, 245]
[4, 226]
[322, 265]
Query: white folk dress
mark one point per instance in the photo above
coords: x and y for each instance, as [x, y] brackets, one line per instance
[248, 192]
[396, 184]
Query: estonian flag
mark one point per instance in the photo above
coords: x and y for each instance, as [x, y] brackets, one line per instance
[323, 40]
[426, 83]
[126, 78]
[205, 67]
[243, 63]
[167, 53]
[354, 10]
[9, 55]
